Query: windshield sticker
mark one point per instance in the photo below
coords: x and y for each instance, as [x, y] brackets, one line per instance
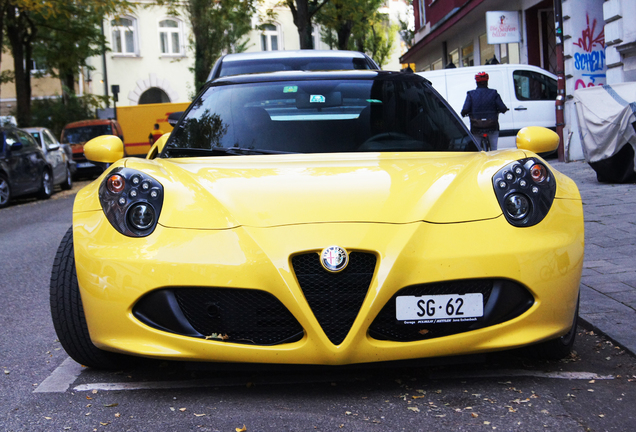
[317, 99]
[290, 89]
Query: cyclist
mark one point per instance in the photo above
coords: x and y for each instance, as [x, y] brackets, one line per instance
[483, 106]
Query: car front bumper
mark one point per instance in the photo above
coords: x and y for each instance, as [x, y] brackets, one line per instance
[115, 272]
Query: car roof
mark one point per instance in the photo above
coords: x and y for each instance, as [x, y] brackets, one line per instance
[34, 129]
[316, 75]
[93, 122]
[292, 55]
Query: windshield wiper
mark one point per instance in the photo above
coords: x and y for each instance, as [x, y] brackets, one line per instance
[222, 151]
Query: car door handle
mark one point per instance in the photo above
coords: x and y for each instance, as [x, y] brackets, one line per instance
[521, 108]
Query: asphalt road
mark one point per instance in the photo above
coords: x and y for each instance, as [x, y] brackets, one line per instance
[43, 390]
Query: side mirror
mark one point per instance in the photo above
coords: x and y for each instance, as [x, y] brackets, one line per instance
[15, 146]
[104, 149]
[158, 146]
[54, 147]
[173, 118]
[537, 139]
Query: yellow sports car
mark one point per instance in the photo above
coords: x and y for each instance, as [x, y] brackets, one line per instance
[319, 218]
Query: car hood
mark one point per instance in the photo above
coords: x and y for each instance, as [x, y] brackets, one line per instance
[274, 190]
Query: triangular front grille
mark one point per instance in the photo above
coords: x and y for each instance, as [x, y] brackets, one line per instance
[335, 298]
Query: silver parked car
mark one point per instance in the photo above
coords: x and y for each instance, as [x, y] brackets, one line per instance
[59, 156]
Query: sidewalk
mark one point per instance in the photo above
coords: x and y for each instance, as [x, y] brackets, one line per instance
[608, 284]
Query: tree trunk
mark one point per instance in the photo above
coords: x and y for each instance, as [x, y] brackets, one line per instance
[23, 100]
[344, 33]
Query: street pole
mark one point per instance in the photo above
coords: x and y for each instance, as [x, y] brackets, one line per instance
[560, 72]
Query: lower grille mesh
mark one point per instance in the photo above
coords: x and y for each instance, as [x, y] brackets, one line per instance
[238, 315]
[335, 298]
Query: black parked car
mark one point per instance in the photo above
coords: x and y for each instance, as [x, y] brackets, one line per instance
[23, 166]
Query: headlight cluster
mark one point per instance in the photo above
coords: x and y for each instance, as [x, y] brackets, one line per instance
[525, 190]
[131, 201]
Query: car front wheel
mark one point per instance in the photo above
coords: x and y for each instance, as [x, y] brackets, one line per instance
[5, 191]
[68, 313]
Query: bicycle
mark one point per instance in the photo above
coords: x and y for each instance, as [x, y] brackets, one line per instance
[485, 142]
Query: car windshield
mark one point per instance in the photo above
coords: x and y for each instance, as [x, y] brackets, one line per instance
[82, 134]
[240, 67]
[319, 116]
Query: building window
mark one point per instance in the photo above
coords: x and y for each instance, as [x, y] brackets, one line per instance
[422, 10]
[486, 51]
[437, 65]
[468, 58]
[170, 36]
[124, 36]
[269, 37]
[453, 58]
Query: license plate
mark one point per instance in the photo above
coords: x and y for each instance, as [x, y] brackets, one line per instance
[438, 309]
[85, 165]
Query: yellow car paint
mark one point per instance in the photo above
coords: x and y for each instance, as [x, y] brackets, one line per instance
[445, 226]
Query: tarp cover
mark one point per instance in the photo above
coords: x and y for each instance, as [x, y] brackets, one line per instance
[605, 115]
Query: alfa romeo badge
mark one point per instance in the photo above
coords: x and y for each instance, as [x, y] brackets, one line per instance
[334, 259]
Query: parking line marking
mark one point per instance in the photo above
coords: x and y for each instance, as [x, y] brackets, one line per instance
[158, 385]
[61, 378]
[521, 373]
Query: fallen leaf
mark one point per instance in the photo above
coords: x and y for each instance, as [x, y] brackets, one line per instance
[6, 372]
[182, 409]
[89, 398]
[243, 429]
[117, 415]
[111, 405]
[104, 423]
[414, 409]
[199, 415]
[601, 415]
[486, 422]
[441, 415]
[48, 418]
[348, 412]
[423, 331]
[94, 391]
[418, 397]
[591, 381]
[475, 415]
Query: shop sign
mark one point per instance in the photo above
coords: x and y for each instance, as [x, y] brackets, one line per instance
[503, 27]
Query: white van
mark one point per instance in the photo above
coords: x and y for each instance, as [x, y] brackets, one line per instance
[529, 93]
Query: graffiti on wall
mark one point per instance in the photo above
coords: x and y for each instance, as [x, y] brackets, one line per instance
[589, 58]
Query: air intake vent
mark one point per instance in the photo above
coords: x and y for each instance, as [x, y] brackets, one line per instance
[335, 298]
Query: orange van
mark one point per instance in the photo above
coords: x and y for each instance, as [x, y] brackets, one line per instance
[79, 133]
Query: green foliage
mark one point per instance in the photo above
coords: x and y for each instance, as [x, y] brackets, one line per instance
[65, 40]
[379, 42]
[348, 19]
[55, 113]
[218, 27]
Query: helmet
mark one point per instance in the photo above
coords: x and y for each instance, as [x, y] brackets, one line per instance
[481, 77]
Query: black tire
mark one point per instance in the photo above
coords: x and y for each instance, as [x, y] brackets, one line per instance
[68, 314]
[46, 186]
[68, 181]
[556, 349]
[5, 191]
